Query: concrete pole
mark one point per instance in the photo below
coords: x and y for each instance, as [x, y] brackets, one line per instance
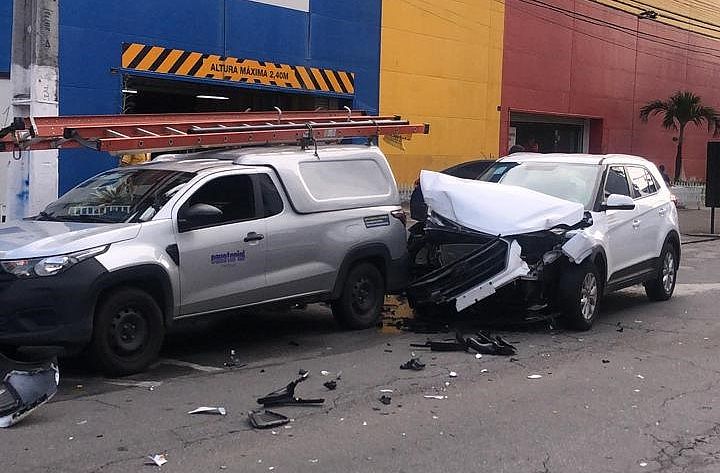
[32, 177]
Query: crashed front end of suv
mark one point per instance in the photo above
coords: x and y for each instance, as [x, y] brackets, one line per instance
[485, 239]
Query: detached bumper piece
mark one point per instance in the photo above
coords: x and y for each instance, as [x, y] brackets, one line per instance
[286, 396]
[25, 386]
[461, 273]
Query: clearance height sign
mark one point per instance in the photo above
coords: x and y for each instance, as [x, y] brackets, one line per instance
[141, 57]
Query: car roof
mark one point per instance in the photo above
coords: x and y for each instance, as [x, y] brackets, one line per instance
[575, 158]
[213, 160]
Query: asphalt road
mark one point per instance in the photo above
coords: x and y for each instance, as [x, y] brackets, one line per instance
[641, 399]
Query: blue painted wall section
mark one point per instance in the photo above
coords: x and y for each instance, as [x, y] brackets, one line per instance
[336, 34]
[6, 7]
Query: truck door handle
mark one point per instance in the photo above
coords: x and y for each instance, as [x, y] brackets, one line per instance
[636, 223]
[252, 236]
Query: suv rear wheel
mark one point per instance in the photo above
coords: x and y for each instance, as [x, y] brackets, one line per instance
[128, 332]
[662, 287]
[579, 295]
[361, 299]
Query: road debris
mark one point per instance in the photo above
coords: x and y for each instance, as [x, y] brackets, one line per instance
[385, 399]
[330, 385]
[387, 391]
[413, 364]
[605, 361]
[209, 410]
[484, 370]
[619, 328]
[534, 376]
[233, 361]
[479, 355]
[481, 342]
[453, 374]
[25, 386]
[324, 373]
[265, 419]
[157, 460]
[434, 396]
[286, 396]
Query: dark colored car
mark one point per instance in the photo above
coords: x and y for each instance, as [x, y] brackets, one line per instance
[467, 170]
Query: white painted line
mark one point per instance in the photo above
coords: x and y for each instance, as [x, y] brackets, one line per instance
[188, 364]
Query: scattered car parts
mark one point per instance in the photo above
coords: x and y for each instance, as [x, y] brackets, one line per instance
[286, 396]
[25, 386]
[265, 419]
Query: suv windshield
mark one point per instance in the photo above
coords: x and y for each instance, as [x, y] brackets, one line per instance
[119, 195]
[569, 181]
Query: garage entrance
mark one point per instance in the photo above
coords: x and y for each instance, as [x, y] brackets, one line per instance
[549, 134]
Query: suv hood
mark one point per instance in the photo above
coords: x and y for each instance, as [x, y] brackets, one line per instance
[33, 239]
[496, 209]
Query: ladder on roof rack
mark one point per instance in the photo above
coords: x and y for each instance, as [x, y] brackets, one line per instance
[120, 134]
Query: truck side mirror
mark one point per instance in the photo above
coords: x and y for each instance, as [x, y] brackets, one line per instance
[198, 215]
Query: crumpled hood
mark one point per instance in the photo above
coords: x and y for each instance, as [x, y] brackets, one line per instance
[32, 239]
[496, 209]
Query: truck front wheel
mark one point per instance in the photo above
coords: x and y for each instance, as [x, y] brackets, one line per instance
[361, 299]
[128, 332]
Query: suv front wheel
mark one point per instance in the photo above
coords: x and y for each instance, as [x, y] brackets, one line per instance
[361, 299]
[128, 332]
[579, 294]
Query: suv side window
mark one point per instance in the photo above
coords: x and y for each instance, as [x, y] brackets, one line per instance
[616, 182]
[272, 202]
[234, 195]
[642, 182]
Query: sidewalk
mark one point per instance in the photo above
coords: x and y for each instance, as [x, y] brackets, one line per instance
[697, 221]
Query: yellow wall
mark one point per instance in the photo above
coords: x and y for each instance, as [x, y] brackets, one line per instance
[441, 63]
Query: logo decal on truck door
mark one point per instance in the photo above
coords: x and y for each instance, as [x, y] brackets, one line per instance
[228, 257]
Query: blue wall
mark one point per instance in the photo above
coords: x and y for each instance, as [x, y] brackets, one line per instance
[337, 34]
[5, 36]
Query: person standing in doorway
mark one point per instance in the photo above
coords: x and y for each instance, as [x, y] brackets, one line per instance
[664, 175]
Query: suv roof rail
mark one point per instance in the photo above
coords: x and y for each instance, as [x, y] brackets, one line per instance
[121, 134]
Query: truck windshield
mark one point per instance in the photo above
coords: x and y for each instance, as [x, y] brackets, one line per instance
[119, 195]
[569, 181]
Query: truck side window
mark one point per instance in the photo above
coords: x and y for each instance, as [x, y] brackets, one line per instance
[272, 202]
[233, 195]
[616, 182]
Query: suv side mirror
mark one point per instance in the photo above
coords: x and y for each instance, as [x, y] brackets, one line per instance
[618, 202]
[198, 215]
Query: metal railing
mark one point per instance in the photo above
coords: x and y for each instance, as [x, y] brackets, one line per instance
[689, 194]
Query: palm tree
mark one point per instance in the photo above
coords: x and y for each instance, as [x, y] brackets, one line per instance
[679, 110]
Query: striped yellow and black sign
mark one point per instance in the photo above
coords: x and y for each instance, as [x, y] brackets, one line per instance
[141, 57]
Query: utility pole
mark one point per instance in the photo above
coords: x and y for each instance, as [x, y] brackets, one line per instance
[32, 177]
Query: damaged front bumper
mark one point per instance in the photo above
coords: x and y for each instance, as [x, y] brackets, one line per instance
[460, 267]
[25, 386]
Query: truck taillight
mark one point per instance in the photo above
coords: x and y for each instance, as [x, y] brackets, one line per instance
[400, 215]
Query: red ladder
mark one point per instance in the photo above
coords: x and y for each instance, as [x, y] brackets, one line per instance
[120, 134]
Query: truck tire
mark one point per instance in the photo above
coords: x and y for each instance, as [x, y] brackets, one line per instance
[362, 297]
[662, 287]
[579, 295]
[127, 333]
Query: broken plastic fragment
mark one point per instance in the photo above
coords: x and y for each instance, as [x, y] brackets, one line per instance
[331, 385]
[413, 364]
[324, 373]
[386, 391]
[484, 370]
[385, 399]
[209, 410]
[25, 386]
[534, 376]
[478, 356]
[434, 396]
[452, 374]
[286, 395]
[606, 361]
[640, 376]
[643, 464]
[158, 460]
[265, 419]
[232, 359]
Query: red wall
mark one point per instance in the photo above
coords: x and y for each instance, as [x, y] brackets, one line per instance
[557, 64]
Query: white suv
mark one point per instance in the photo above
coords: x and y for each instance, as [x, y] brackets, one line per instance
[553, 231]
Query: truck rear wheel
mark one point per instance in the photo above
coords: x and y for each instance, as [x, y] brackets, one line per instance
[361, 299]
[128, 332]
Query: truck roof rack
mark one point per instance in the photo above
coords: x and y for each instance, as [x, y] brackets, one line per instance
[122, 134]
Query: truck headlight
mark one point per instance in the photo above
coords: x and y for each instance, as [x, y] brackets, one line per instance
[48, 266]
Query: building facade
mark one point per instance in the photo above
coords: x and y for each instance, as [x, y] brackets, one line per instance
[553, 75]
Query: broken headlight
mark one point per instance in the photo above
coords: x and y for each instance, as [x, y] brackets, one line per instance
[48, 266]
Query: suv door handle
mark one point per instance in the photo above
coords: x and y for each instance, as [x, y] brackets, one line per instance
[636, 224]
[252, 236]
